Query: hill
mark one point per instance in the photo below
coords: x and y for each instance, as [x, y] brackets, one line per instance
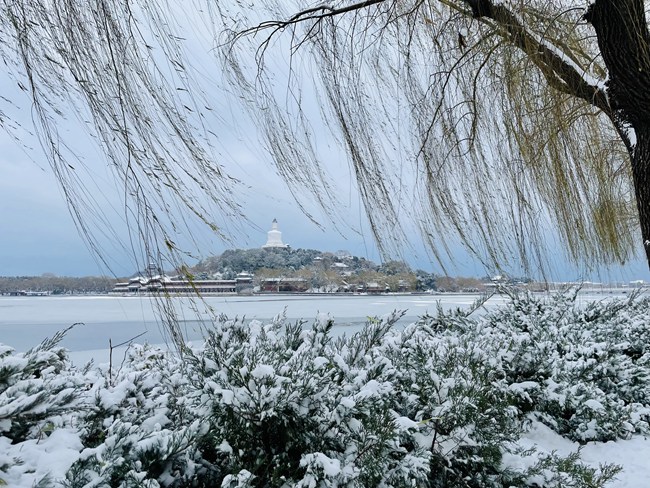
[321, 270]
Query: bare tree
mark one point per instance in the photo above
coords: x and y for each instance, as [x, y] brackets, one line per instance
[510, 114]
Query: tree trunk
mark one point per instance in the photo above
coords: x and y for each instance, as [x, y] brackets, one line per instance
[624, 42]
[641, 177]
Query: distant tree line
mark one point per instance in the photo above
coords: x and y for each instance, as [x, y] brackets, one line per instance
[57, 285]
[235, 261]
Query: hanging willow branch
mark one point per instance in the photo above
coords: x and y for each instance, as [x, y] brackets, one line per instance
[474, 121]
[495, 116]
[120, 67]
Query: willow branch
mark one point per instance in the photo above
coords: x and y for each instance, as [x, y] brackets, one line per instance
[315, 13]
[560, 71]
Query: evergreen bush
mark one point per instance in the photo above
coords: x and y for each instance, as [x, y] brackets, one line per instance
[443, 402]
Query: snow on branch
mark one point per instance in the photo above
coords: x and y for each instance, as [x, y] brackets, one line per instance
[560, 70]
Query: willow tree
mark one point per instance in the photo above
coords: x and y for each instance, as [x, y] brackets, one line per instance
[482, 121]
[119, 70]
[510, 115]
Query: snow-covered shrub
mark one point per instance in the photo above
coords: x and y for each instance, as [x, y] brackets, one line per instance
[444, 402]
[425, 406]
[136, 432]
[35, 387]
[554, 471]
[454, 389]
[291, 407]
[582, 369]
[40, 393]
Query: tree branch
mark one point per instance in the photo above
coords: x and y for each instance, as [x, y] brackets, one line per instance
[306, 15]
[561, 72]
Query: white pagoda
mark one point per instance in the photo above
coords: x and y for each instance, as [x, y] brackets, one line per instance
[274, 239]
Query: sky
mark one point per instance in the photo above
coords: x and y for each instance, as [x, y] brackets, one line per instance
[39, 235]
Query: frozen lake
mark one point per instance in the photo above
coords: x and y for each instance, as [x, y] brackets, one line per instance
[26, 321]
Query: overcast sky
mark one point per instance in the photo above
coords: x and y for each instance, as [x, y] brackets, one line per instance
[38, 234]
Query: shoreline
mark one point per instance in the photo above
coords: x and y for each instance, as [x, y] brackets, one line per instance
[605, 290]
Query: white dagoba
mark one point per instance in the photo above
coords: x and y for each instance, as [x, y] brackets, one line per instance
[274, 237]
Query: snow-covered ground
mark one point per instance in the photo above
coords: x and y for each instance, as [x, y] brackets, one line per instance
[632, 455]
[53, 455]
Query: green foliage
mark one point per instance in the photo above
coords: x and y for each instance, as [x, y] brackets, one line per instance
[553, 471]
[321, 270]
[251, 260]
[444, 402]
[584, 368]
[35, 386]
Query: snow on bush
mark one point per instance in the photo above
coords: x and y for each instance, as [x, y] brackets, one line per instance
[582, 370]
[39, 393]
[442, 403]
